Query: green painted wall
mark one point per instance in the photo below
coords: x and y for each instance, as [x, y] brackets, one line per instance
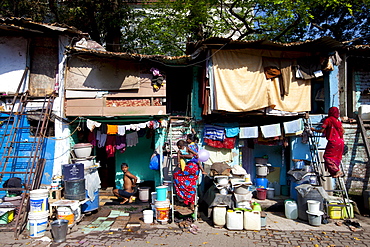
[138, 158]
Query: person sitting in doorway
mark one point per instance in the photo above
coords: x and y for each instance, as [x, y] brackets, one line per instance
[129, 184]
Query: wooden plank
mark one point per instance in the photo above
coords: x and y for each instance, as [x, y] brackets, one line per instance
[84, 103]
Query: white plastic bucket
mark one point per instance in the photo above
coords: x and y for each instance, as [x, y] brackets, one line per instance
[162, 209]
[39, 200]
[313, 206]
[148, 216]
[66, 213]
[314, 219]
[38, 223]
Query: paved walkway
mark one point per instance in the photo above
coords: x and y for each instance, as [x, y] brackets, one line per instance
[113, 231]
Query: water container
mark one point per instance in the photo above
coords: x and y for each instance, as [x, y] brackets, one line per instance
[161, 193]
[38, 223]
[261, 193]
[270, 193]
[144, 194]
[293, 191]
[91, 205]
[73, 171]
[304, 196]
[66, 213]
[162, 210]
[75, 189]
[277, 188]
[263, 219]
[261, 183]
[252, 220]
[314, 219]
[148, 216]
[59, 230]
[262, 170]
[219, 215]
[313, 206]
[39, 200]
[256, 206]
[291, 209]
[234, 220]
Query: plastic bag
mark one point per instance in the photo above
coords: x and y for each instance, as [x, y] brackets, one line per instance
[154, 162]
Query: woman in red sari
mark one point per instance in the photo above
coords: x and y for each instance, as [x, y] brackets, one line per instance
[185, 182]
[333, 130]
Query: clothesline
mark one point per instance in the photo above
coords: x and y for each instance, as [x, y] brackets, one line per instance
[113, 129]
[219, 133]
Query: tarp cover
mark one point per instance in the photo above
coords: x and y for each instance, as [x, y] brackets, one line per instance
[240, 84]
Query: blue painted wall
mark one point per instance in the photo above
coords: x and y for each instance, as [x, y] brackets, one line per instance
[48, 153]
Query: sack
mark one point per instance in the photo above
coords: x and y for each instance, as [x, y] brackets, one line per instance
[13, 183]
[154, 162]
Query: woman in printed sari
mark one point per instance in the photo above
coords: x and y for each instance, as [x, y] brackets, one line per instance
[185, 182]
[333, 131]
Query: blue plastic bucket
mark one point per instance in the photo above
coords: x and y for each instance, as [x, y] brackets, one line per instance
[91, 205]
[262, 183]
[161, 193]
[293, 191]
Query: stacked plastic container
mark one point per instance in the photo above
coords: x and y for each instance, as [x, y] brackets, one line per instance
[162, 204]
[262, 170]
[38, 214]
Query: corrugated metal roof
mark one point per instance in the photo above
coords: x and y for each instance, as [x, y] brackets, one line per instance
[27, 25]
[320, 44]
[127, 56]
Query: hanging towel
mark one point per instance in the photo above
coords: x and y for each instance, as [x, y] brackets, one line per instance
[110, 146]
[101, 138]
[112, 129]
[271, 130]
[294, 126]
[132, 139]
[91, 125]
[121, 143]
[231, 131]
[214, 132]
[91, 138]
[248, 132]
[121, 130]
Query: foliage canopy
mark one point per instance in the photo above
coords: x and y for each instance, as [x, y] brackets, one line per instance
[165, 26]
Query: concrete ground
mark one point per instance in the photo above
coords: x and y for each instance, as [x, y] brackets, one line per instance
[122, 225]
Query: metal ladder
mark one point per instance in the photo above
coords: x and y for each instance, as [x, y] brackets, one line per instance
[20, 156]
[313, 140]
[178, 129]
